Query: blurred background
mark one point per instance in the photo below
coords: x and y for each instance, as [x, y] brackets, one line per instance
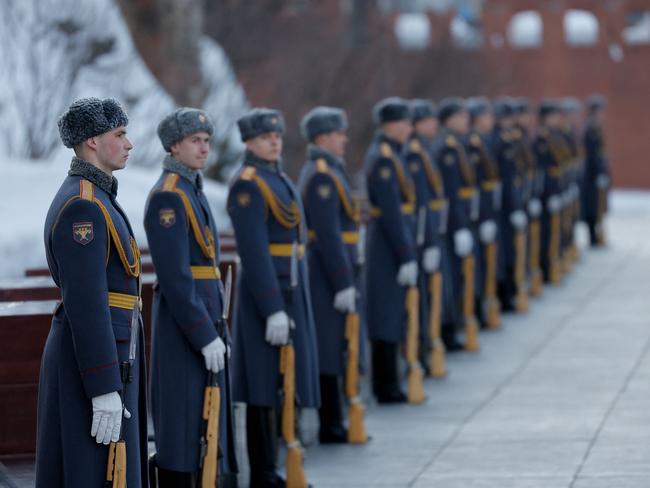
[228, 55]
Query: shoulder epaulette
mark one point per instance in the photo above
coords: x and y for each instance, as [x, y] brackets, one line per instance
[86, 190]
[475, 140]
[450, 141]
[248, 173]
[385, 150]
[321, 165]
[170, 182]
[415, 145]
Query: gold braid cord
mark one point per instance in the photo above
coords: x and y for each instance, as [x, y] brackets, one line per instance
[205, 243]
[433, 176]
[351, 210]
[132, 269]
[406, 185]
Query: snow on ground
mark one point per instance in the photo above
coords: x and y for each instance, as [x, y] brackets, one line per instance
[27, 188]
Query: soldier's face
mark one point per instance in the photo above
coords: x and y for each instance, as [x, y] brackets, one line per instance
[459, 122]
[266, 146]
[192, 150]
[484, 123]
[399, 130]
[427, 127]
[111, 149]
[333, 142]
[525, 119]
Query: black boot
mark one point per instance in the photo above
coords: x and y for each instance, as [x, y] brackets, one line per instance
[450, 338]
[175, 479]
[332, 430]
[262, 440]
[385, 377]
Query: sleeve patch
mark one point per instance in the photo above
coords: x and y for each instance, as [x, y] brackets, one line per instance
[414, 167]
[385, 173]
[167, 217]
[243, 199]
[324, 191]
[449, 159]
[83, 232]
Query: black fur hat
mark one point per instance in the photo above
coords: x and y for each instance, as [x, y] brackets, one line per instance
[260, 121]
[391, 109]
[181, 123]
[322, 120]
[90, 117]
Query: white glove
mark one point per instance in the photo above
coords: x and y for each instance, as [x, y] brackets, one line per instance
[518, 219]
[463, 242]
[277, 328]
[107, 417]
[566, 198]
[554, 204]
[575, 191]
[214, 354]
[534, 207]
[487, 231]
[431, 259]
[602, 181]
[345, 300]
[408, 274]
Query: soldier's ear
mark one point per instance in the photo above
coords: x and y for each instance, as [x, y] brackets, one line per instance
[91, 142]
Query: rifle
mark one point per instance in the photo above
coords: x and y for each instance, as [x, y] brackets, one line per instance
[600, 214]
[471, 324]
[521, 298]
[415, 389]
[536, 281]
[437, 361]
[555, 273]
[209, 472]
[294, 464]
[116, 466]
[415, 392]
[356, 430]
[492, 306]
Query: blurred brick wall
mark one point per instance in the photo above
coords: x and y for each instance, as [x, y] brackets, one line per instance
[293, 55]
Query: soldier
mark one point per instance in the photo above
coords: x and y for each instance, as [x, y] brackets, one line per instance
[596, 177]
[513, 216]
[92, 380]
[534, 187]
[459, 180]
[273, 303]
[487, 174]
[392, 260]
[551, 152]
[333, 222]
[188, 335]
[430, 214]
[575, 173]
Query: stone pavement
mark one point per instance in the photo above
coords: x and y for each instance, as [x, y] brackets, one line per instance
[559, 398]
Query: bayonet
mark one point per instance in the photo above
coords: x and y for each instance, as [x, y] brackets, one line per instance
[420, 227]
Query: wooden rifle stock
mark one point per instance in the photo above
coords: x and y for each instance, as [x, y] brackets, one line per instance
[210, 440]
[554, 249]
[415, 391]
[116, 469]
[600, 215]
[356, 428]
[521, 298]
[536, 280]
[471, 324]
[295, 471]
[492, 306]
[437, 367]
